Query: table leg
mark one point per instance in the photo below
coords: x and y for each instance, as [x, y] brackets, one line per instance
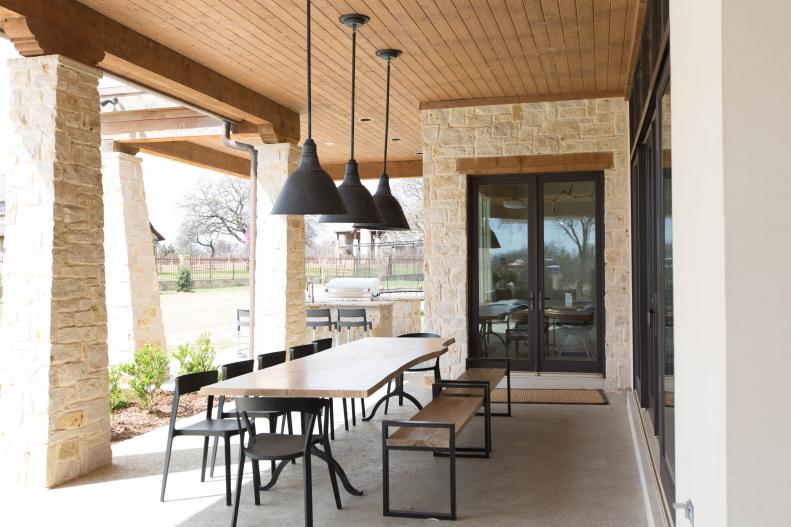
[397, 392]
[323, 456]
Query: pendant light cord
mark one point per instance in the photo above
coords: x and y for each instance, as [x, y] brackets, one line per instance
[354, 70]
[310, 98]
[387, 118]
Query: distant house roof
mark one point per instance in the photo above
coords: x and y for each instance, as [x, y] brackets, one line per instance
[156, 233]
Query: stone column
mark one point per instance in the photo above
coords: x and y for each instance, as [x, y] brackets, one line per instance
[55, 422]
[134, 316]
[280, 257]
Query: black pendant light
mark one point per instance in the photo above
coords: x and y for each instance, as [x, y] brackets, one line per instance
[309, 189]
[393, 218]
[358, 200]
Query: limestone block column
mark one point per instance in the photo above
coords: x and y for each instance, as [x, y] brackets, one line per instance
[280, 257]
[55, 422]
[134, 316]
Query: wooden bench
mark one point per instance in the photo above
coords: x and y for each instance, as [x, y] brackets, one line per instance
[488, 370]
[434, 429]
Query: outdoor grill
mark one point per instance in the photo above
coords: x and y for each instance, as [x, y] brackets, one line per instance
[352, 288]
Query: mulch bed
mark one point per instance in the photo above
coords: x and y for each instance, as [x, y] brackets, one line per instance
[133, 421]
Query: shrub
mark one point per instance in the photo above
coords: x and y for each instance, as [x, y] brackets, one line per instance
[118, 399]
[148, 370]
[197, 357]
[184, 282]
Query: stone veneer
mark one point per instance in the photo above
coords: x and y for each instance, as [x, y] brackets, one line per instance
[134, 315]
[55, 421]
[596, 125]
[280, 257]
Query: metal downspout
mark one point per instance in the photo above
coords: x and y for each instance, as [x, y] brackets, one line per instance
[230, 143]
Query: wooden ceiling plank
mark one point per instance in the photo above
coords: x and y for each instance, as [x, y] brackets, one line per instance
[505, 38]
[538, 26]
[601, 35]
[512, 41]
[554, 27]
[634, 26]
[394, 15]
[571, 40]
[521, 25]
[474, 21]
[618, 13]
[196, 155]
[412, 168]
[446, 18]
[587, 42]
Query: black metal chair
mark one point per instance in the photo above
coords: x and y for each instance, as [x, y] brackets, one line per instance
[267, 360]
[229, 371]
[320, 318]
[298, 352]
[322, 345]
[434, 368]
[209, 427]
[351, 318]
[283, 448]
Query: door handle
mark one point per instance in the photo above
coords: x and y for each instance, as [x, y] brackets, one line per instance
[540, 300]
[531, 301]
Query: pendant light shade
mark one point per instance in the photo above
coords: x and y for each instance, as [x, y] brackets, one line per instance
[309, 189]
[393, 218]
[358, 200]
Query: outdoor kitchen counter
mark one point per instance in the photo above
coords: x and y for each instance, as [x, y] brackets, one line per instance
[391, 316]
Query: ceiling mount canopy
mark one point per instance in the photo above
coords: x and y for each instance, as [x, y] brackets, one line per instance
[309, 189]
[393, 218]
[358, 200]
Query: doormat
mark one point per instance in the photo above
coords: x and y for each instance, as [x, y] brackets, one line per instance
[542, 396]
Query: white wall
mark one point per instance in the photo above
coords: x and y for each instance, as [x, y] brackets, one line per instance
[731, 186]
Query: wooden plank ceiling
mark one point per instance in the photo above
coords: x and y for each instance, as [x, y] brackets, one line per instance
[455, 51]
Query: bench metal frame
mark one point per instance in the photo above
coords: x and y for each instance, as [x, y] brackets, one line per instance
[452, 452]
[485, 362]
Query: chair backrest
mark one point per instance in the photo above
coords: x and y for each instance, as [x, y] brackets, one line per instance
[317, 318]
[242, 318]
[235, 369]
[192, 382]
[352, 317]
[297, 352]
[322, 344]
[304, 405]
[419, 335]
[267, 360]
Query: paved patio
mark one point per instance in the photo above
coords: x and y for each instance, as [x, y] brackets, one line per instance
[552, 465]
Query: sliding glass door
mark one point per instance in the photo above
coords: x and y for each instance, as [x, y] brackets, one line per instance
[536, 271]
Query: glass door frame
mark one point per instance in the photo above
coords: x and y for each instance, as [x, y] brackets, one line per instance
[536, 362]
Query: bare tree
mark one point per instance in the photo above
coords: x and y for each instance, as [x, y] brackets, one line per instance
[216, 211]
[409, 192]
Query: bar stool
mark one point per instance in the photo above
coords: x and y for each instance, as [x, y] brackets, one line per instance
[353, 318]
[320, 318]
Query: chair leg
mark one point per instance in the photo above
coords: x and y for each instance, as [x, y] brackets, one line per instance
[227, 443]
[272, 430]
[332, 419]
[167, 465]
[308, 491]
[354, 414]
[205, 455]
[238, 486]
[362, 404]
[401, 395]
[257, 481]
[345, 416]
[213, 456]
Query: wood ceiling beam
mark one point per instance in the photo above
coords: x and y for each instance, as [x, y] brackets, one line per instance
[191, 154]
[518, 99]
[395, 169]
[69, 28]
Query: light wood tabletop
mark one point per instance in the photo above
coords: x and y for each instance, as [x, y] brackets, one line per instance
[356, 369]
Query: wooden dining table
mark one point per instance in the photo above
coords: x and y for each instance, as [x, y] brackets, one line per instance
[353, 370]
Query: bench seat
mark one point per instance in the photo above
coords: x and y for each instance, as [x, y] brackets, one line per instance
[443, 409]
[491, 375]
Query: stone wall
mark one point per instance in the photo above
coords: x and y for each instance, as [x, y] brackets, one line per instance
[55, 421]
[598, 125]
[134, 315]
[280, 257]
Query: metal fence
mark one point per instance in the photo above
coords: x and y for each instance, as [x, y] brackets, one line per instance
[399, 266]
[203, 268]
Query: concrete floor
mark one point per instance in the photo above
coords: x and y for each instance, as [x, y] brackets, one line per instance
[552, 465]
